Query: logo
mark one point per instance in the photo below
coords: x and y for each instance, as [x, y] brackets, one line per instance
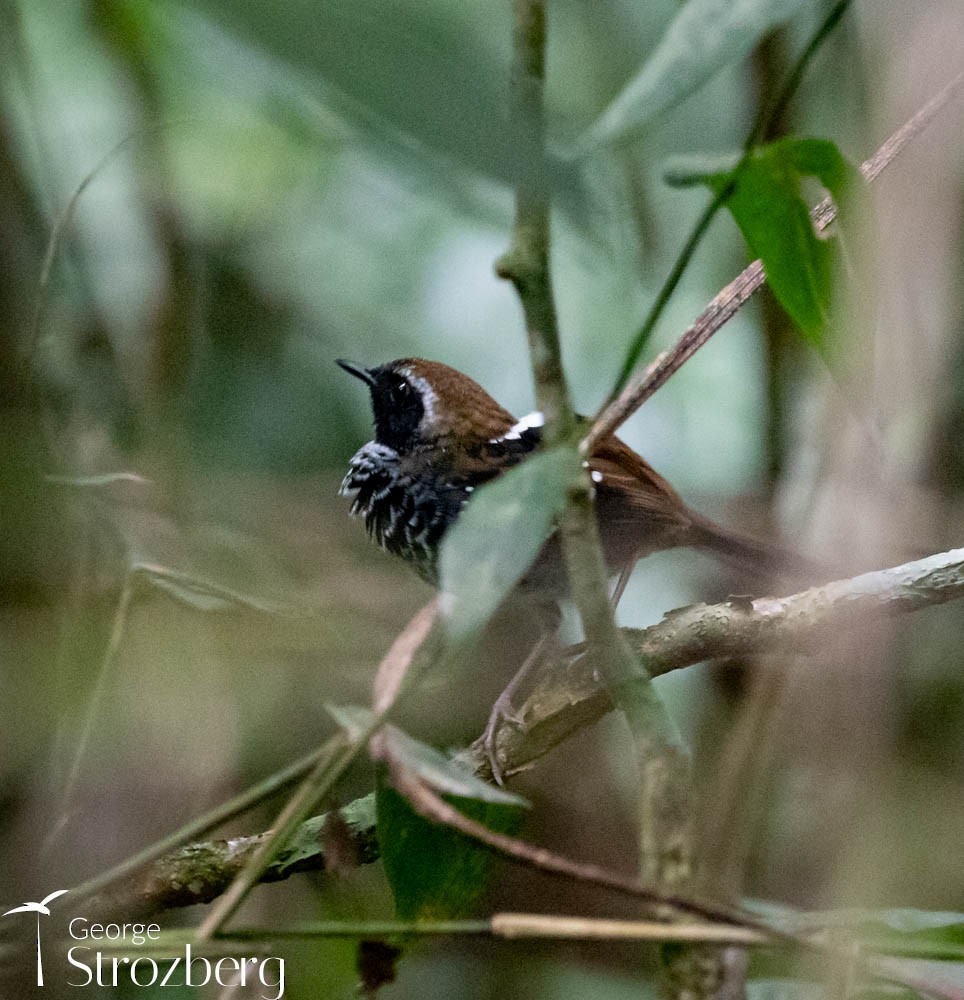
[107, 956]
[40, 909]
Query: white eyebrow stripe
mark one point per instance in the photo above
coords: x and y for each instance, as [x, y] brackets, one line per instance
[426, 392]
[529, 422]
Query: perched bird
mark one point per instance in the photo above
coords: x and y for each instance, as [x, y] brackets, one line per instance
[439, 435]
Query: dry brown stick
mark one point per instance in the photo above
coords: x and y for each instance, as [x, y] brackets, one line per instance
[730, 299]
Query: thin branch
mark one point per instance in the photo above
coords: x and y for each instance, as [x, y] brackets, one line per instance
[568, 697]
[664, 808]
[59, 228]
[730, 299]
[526, 264]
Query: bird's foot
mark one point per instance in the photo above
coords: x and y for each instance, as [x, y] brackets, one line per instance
[502, 712]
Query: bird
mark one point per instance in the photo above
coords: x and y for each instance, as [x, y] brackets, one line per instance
[439, 436]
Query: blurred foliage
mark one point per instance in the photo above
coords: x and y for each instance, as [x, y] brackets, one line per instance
[271, 186]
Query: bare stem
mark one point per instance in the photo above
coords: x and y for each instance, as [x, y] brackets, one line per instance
[526, 264]
[663, 811]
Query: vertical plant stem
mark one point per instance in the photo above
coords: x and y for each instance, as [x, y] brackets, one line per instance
[664, 799]
[526, 264]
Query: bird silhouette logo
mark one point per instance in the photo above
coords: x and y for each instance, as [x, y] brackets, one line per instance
[40, 908]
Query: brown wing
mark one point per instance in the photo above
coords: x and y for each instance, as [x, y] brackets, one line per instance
[639, 512]
[633, 489]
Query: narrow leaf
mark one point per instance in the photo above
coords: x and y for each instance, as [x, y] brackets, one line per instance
[924, 935]
[704, 37]
[930, 934]
[499, 535]
[445, 775]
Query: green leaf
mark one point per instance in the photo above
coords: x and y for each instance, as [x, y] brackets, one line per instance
[705, 36]
[768, 206]
[922, 935]
[434, 871]
[926, 934]
[499, 535]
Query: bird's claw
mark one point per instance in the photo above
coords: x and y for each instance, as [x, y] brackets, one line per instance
[502, 712]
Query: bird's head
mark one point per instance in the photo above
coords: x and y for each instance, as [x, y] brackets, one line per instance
[417, 402]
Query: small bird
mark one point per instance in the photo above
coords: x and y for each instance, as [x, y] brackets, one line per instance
[439, 436]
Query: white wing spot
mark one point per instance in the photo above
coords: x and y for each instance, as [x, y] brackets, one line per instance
[529, 422]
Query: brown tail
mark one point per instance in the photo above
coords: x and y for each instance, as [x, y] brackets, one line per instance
[763, 560]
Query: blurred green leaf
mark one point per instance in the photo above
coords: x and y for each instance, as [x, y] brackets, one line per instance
[393, 67]
[928, 937]
[434, 871]
[929, 934]
[499, 535]
[768, 206]
[705, 36]
[444, 774]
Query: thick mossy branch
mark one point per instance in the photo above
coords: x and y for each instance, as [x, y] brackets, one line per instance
[566, 699]
[201, 872]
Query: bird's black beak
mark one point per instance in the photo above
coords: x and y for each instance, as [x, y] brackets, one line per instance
[357, 370]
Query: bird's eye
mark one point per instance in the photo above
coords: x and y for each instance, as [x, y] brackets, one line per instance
[401, 393]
